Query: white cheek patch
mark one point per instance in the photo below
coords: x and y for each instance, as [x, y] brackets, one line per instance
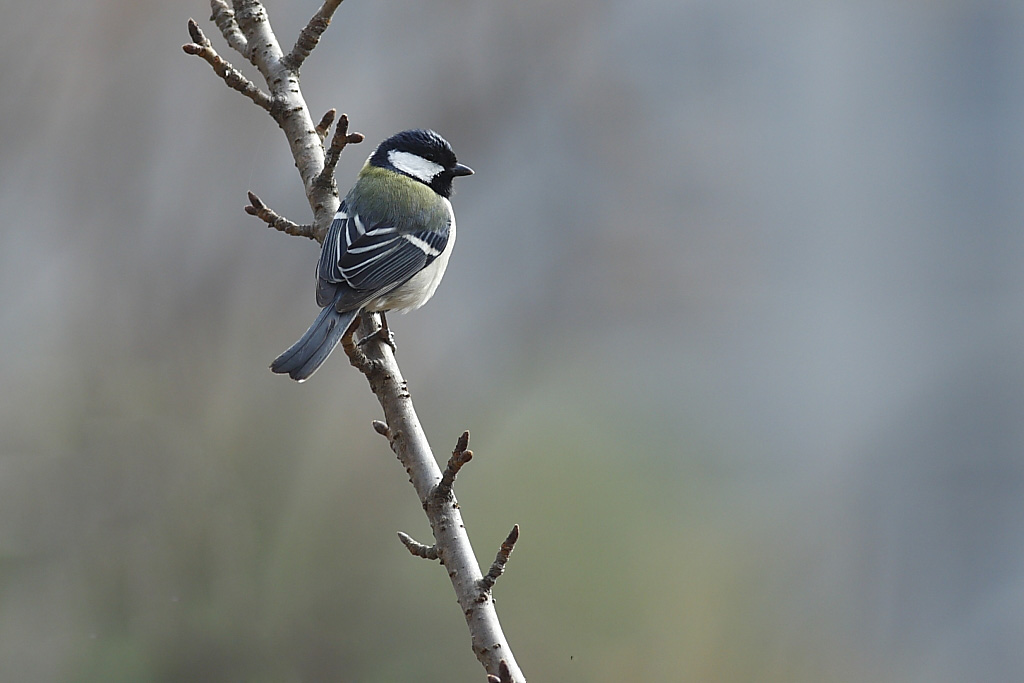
[414, 165]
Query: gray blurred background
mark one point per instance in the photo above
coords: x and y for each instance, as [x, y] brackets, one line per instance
[736, 319]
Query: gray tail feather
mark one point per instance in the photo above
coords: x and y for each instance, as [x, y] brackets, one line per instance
[303, 358]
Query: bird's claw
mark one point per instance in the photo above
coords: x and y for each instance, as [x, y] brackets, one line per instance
[384, 335]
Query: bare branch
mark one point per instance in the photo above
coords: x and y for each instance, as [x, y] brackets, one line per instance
[377, 361]
[224, 17]
[427, 552]
[310, 35]
[498, 566]
[288, 108]
[276, 221]
[201, 47]
[246, 28]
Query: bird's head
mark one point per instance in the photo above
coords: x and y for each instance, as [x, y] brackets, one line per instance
[422, 155]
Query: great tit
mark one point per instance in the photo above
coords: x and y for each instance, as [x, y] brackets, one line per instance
[388, 245]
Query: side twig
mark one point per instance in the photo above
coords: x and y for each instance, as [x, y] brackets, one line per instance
[341, 139]
[235, 79]
[310, 35]
[224, 17]
[277, 221]
[427, 552]
[324, 127]
[498, 566]
[460, 456]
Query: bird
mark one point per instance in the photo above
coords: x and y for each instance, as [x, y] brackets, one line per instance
[387, 246]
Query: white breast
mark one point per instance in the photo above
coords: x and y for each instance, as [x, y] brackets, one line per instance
[418, 290]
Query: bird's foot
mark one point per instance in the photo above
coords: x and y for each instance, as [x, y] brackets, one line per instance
[383, 335]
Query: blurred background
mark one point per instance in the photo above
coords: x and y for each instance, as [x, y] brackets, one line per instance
[736, 319]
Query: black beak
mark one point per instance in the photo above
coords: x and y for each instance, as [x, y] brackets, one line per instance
[461, 169]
